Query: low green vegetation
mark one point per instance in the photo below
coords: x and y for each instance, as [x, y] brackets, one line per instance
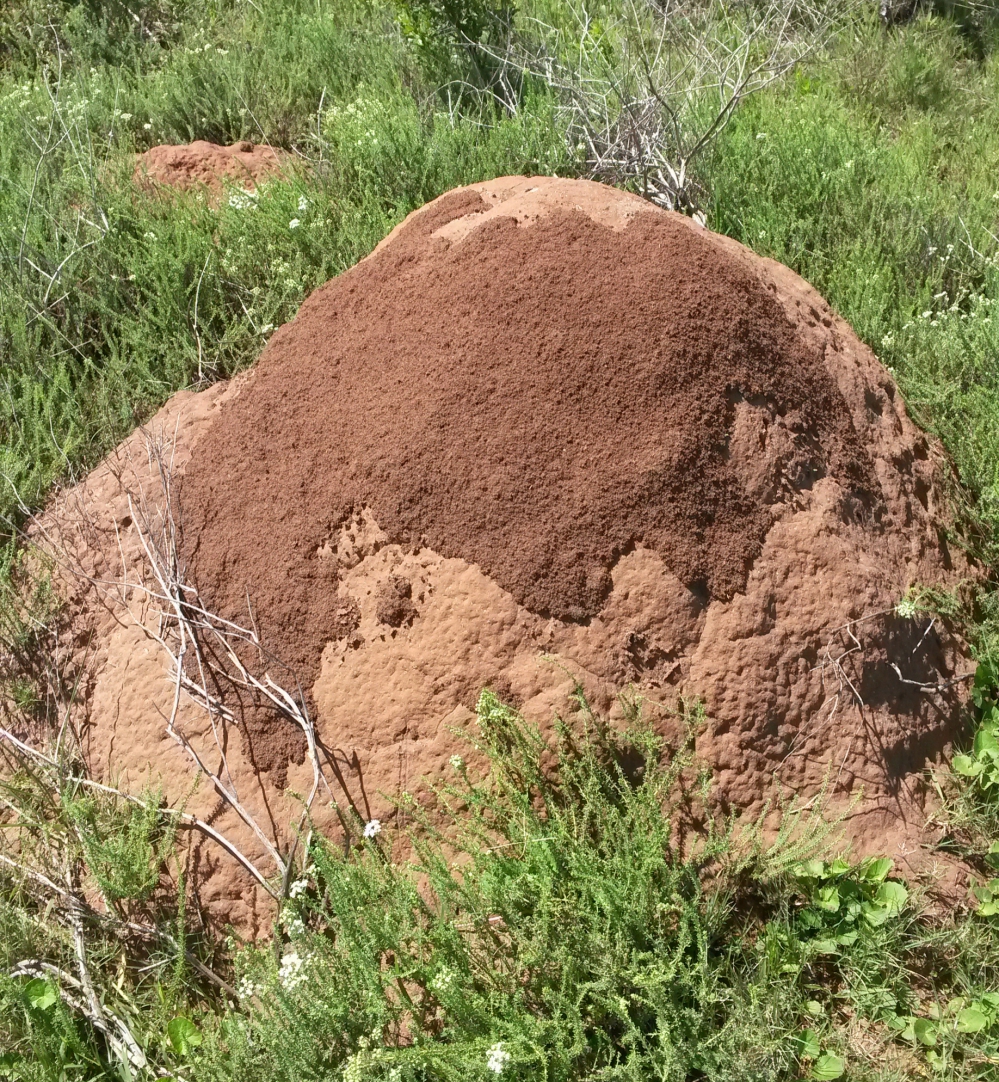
[576, 928]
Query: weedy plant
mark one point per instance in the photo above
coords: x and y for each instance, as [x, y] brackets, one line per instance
[550, 924]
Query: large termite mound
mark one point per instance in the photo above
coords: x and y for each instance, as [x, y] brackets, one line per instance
[545, 433]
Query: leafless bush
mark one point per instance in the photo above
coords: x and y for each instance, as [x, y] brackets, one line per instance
[646, 92]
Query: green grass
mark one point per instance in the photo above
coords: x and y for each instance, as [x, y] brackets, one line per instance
[556, 917]
[618, 952]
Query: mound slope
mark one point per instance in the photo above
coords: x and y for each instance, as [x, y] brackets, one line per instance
[546, 433]
[536, 401]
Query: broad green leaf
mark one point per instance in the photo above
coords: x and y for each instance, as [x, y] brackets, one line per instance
[828, 898]
[814, 1007]
[892, 896]
[808, 1043]
[985, 744]
[810, 869]
[981, 892]
[839, 867]
[828, 1067]
[966, 766]
[971, 1020]
[988, 909]
[184, 1035]
[825, 946]
[925, 1031]
[40, 994]
[877, 870]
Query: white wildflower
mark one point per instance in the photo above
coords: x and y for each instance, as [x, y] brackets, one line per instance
[300, 886]
[246, 988]
[372, 828]
[457, 763]
[294, 223]
[442, 980]
[497, 1058]
[292, 922]
[906, 608]
[303, 204]
[926, 314]
[126, 117]
[147, 127]
[267, 328]
[149, 236]
[243, 200]
[291, 972]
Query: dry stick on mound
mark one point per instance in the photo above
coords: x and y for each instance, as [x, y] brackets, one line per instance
[194, 639]
[186, 626]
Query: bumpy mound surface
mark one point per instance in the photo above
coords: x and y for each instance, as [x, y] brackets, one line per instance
[207, 165]
[546, 433]
[537, 401]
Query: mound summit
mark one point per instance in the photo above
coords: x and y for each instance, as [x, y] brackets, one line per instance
[546, 433]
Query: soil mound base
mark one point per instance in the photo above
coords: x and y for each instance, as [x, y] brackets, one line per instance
[544, 434]
[204, 164]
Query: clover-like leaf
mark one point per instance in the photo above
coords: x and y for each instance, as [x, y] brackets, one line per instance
[925, 1031]
[808, 1043]
[184, 1035]
[40, 994]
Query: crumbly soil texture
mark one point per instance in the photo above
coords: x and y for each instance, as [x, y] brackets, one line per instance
[202, 164]
[547, 434]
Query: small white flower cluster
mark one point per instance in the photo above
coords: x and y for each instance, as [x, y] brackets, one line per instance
[443, 980]
[292, 922]
[372, 828]
[298, 888]
[497, 1058]
[246, 989]
[457, 763]
[243, 200]
[906, 608]
[294, 223]
[351, 122]
[281, 271]
[303, 204]
[291, 972]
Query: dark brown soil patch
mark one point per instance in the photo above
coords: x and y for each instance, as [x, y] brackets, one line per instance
[535, 400]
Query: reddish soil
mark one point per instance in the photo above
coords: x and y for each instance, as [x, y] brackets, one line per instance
[536, 402]
[546, 433]
[208, 165]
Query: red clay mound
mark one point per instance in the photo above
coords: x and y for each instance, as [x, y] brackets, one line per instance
[545, 433]
[535, 401]
[204, 164]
